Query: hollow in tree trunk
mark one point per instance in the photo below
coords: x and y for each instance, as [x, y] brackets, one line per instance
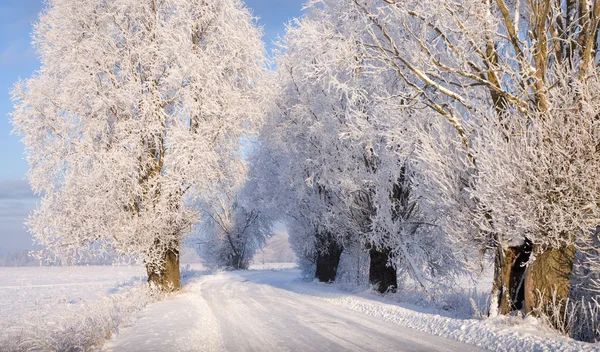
[508, 290]
[548, 281]
[166, 276]
[327, 261]
[382, 275]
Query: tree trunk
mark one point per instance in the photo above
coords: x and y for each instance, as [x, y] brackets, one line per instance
[382, 275]
[238, 263]
[548, 281]
[508, 290]
[327, 262]
[167, 277]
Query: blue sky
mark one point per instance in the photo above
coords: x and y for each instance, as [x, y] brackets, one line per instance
[19, 60]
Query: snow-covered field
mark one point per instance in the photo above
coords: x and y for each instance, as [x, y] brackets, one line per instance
[40, 289]
[57, 308]
[267, 308]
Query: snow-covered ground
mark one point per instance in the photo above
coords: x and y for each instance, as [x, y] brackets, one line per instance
[267, 308]
[274, 310]
[67, 308]
[40, 289]
[265, 311]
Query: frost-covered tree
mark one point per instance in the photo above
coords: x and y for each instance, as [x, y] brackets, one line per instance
[547, 166]
[285, 194]
[138, 106]
[233, 226]
[499, 77]
[311, 161]
[339, 145]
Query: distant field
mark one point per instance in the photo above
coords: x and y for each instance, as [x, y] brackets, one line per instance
[43, 290]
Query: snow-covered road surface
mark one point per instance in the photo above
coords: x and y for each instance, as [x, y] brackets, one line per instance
[257, 311]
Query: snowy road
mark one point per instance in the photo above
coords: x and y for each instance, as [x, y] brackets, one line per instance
[260, 317]
[260, 311]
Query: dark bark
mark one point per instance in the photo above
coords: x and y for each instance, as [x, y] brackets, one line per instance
[167, 276]
[382, 275]
[509, 277]
[237, 262]
[517, 276]
[327, 261]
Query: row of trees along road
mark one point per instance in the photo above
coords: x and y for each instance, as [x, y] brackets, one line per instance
[428, 134]
[433, 133]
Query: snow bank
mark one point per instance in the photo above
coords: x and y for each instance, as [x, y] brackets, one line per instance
[504, 333]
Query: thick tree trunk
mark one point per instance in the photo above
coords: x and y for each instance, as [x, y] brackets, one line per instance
[508, 290]
[548, 281]
[327, 262]
[167, 277]
[382, 275]
[238, 262]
